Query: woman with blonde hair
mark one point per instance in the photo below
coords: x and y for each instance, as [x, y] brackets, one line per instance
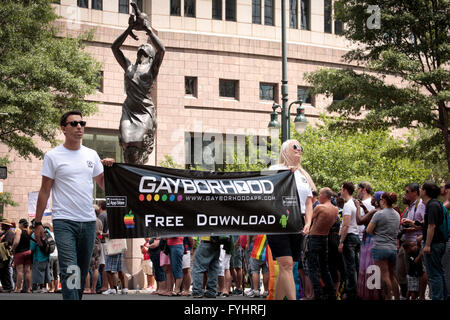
[286, 248]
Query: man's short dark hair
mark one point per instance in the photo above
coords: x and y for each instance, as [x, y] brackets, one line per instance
[414, 187]
[349, 186]
[367, 186]
[63, 120]
[102, 205]
[431, 189]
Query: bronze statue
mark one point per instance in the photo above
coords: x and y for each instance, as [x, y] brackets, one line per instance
[138, 121]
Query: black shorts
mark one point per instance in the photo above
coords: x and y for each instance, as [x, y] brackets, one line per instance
[283, 245]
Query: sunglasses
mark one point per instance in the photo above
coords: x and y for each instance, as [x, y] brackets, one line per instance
[296, 147]
[75, 123]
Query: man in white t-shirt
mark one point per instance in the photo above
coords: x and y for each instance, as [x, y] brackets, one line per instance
[349, 244]
[365, 194]
[68, 172]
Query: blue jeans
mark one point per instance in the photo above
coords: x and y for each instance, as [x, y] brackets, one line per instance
[176, 253]
[384, 255]
[318, 267]
[435, 271]
[159, 273]
[206, 259]
[351, 250]
[75, 243]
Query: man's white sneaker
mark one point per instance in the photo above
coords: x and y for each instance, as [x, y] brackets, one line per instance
[124, 291]
[110, 291]
[253, 294]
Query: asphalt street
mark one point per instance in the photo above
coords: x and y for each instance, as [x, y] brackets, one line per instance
[132, 295]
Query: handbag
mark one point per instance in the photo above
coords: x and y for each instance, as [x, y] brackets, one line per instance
[164, 247]
[115, 246]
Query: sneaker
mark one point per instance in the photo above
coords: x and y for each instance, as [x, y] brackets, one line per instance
[238, 292]
[253, 294]
[265, 294]
[197, 295]
[224, 295]
[110, 291]
[209, 295]
[125, 291]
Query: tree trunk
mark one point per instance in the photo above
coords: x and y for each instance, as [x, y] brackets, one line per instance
[443, 120]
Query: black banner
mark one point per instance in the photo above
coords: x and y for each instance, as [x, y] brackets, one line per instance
[147, 201]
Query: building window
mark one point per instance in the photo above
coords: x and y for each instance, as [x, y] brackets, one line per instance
[338, 97]
[124, 6]
[305, 14]
[228, 88]
[327, 16]
[256, 11]
[268, 91]
[303, 93]
[139, 4]
[217, 9]
[189, 8]
[83, 3]
[338, 27]
[269, 12]
[230, 10]
[190, 86]
[97, 4]
[100, 85]
[107, 146]
[293, 14]
[175, 8]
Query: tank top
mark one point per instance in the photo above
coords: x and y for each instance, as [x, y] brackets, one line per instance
[24, 243]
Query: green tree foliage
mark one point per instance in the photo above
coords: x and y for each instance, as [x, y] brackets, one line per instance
[411, 43]
[356, 156]
[168, 162]
[425, 144]
[42, 75]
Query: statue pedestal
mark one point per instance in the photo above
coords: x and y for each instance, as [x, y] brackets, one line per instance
[133, 256]
[133, 259]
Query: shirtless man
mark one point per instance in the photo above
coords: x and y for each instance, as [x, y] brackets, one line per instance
[324, 216]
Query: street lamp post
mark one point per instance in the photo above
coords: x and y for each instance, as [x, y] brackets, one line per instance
[300, 119]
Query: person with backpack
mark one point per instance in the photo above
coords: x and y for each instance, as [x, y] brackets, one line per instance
[41, 261]
[434, 240]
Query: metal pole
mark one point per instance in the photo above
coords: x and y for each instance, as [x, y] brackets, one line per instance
[285, 124]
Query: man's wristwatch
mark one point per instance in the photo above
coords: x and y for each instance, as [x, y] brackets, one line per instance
[36, 223]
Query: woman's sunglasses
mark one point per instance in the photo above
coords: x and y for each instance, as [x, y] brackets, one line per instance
[296, 147]
[75, 123]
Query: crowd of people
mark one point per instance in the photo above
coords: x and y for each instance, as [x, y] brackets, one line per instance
[355, 243]
[349, 240]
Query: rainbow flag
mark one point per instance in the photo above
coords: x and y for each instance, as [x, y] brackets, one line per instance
[273, 274]
[259, 247]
